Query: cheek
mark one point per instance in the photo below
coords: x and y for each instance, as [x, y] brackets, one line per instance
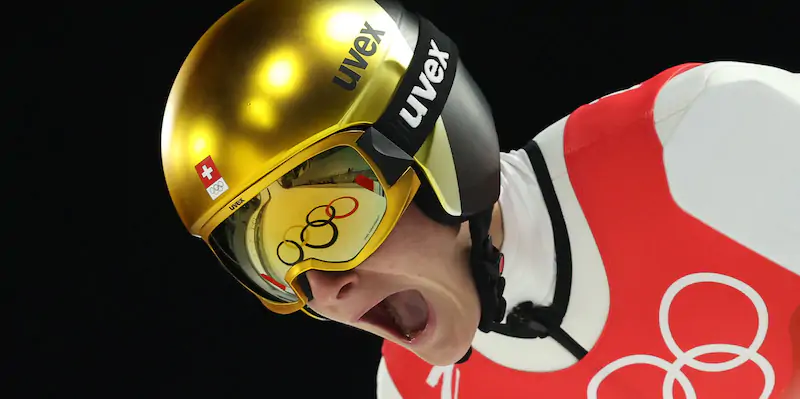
[415, 244]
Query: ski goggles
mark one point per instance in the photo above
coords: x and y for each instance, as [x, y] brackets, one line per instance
[327, 208]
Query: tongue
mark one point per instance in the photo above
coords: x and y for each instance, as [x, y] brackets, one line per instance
[410, 311]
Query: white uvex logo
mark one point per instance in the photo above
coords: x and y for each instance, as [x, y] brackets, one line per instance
[432, 73]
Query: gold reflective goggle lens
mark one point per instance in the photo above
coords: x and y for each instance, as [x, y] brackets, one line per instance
[327, 209]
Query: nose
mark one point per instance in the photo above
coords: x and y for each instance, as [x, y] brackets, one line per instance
[329, 287]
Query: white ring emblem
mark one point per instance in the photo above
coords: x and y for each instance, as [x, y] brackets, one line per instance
[689, 358]
[217, 187]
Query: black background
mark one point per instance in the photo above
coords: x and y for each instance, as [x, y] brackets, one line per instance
[139, 308]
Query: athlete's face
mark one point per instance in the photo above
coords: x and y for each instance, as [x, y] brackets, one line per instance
[415, 290]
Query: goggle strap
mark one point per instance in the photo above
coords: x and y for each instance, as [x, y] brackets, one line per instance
[410, 116]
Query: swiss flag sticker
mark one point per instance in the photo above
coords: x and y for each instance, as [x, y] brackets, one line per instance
[212, 180]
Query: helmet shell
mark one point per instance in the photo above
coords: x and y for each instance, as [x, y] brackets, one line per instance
[271, 78]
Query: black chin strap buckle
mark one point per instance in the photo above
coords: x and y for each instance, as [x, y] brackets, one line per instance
[527, 320]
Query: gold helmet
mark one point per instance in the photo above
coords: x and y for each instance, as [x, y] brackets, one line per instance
[297, 132]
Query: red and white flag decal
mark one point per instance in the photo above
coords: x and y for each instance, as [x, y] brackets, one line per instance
[212, 180]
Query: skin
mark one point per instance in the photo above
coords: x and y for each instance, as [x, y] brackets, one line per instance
[437, 267]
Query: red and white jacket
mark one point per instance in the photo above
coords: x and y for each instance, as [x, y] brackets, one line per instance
[681, 198]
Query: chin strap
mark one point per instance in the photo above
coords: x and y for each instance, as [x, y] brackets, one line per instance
[486, 264]
[526, 320]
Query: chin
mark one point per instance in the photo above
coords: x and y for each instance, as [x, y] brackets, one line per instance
[443, 358]
[440, 358]
[446, 350]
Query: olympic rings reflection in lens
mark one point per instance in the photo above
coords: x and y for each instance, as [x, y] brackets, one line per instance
[322, 223]
[305, 234]
[330, 206]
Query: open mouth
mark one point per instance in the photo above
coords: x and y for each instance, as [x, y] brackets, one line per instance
[404, 314]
